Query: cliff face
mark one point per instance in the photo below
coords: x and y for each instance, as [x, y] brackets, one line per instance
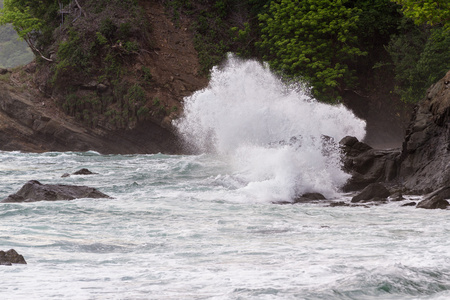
[425, 160]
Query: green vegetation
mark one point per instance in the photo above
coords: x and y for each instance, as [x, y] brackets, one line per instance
[420, 58]
[89, 46]
[312, 39]
[13, 52]
[90, 50]
[429, 12]
[334, 45]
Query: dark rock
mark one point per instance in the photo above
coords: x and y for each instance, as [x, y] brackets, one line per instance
[340, 203]
[35, 191]
[433, 203]
[3, 71]
[425, 158]
[309, 197]
[11, 257]
[314, 196]
[84, 172]
[65, 175]
[397, 196]
[442, 192]
[282, 202]
[409, 204]
[373, 192]
[367, 165]
[375, 199]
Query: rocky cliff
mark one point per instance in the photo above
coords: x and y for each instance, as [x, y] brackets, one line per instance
[425, 158]
[422, 165]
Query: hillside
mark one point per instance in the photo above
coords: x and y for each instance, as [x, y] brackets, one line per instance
[34, 115]
[112, 67]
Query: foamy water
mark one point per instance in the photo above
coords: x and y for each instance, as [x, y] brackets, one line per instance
[178, 228]
[276, 137]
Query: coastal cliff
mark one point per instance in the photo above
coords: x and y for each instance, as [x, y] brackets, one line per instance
[425, 158]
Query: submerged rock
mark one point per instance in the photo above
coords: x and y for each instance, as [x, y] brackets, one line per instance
[309, 197]
[35, 191]
[11, 257]
[83, 171]
[409, 204]
[373, 192]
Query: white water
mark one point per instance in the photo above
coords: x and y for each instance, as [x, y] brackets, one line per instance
[248, 115]
[175, 231]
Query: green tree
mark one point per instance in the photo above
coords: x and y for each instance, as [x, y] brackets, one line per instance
[28, 19]
[421, 54]
[431, 12]
[420, 57]
[312, 39]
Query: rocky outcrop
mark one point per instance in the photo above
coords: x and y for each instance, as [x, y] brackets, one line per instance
[83, 171]
[367, 165]
[425, 158]
[423, 164]
[34, 191]
[309, 198]
[373, 192]
[433, 203]
[11, 257]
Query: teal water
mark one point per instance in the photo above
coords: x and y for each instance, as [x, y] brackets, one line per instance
[181, 227]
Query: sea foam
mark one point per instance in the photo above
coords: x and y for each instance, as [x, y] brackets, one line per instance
[278, 140]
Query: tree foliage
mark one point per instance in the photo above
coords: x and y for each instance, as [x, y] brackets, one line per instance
[311, 39]
[431, 12]
[420, 57]
[27, 18]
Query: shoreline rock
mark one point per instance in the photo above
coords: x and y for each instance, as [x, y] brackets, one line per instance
[34, 191]
[11, 257]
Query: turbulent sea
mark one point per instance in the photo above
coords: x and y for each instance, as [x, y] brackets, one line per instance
[205, 227]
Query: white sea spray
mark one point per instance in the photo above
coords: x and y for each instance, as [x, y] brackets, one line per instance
[279, 141]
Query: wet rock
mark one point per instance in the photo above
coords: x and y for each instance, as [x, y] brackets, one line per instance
[367, 165]
[425, 158]
[35, 191]
[373, 192]
[433, 203]
[84, 171]
[442, 192]
[11, 257]
[309, 197]
[397, 196]
[337, 204]
[409, 204]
